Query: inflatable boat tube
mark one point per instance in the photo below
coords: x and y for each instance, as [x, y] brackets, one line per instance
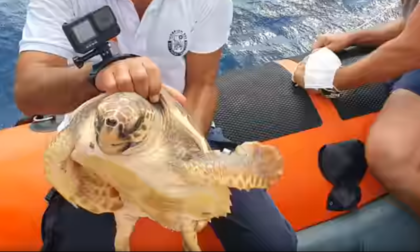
[258, 104]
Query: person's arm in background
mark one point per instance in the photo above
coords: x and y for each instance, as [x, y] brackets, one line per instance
[377, 35]
[210, 33]
[45, 84]
[389, 61]
[371, 37]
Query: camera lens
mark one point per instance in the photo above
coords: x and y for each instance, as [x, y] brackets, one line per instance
[84, 31]
[104, 19]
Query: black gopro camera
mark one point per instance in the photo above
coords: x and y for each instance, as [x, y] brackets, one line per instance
[92, 30]
[90, 34]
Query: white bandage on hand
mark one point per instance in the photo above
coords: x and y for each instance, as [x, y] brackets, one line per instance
[320, 69]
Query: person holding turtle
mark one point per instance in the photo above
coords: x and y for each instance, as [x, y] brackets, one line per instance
[180, 42]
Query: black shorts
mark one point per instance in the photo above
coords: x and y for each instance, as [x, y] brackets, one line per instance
[409, 81]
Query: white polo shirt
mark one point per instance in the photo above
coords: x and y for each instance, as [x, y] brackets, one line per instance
[168, 30]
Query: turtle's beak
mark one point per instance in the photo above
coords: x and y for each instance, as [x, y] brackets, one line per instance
[109, 136]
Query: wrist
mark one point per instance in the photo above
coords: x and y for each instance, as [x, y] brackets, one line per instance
[353, 38]
[348, 77]
[342, 79]
[86, 81]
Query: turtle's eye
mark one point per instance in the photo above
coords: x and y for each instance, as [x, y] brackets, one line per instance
[99, 123]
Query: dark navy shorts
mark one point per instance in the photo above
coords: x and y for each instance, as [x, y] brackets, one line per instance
[409, 81]
[255, 223]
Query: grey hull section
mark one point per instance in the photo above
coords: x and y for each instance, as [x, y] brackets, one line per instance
[383, 225]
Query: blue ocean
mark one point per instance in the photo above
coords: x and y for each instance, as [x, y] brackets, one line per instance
[262, 31]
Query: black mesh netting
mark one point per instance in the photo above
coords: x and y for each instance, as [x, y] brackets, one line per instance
[261, 103]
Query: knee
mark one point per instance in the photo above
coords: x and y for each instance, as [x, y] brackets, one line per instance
[267, 229]
[276, 236]
[388, 156]
[275, 233]
[66, 228]
[283, 238]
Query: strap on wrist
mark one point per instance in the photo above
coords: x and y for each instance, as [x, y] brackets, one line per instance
[96, 68]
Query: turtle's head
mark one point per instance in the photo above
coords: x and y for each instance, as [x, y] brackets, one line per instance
[123, 120]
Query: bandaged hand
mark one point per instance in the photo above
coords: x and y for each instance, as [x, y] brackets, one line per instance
[317, 70]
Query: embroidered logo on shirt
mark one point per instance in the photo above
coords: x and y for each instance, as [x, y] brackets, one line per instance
[177, 43]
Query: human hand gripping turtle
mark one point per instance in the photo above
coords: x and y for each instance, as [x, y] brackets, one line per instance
[125, 155]
[139, 75]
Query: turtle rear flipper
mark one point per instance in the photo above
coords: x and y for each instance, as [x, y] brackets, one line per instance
[125, 224]
[251, 165]
[189, 237]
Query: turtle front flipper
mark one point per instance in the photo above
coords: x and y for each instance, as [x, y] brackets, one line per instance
[77, 184]
[92, 193]
[251, 165]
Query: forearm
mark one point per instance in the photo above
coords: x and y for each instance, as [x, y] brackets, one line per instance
[377, 35]
[388, 62]
[201, 105]
[52, 90]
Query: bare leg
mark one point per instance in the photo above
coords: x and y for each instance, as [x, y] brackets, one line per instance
[125, 226]
[289, 65]
[189, 236]
[393, 147]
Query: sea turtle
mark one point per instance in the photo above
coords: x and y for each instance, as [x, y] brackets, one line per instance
[124, 155]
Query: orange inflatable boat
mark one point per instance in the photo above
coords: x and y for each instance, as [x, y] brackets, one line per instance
[257, 104]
